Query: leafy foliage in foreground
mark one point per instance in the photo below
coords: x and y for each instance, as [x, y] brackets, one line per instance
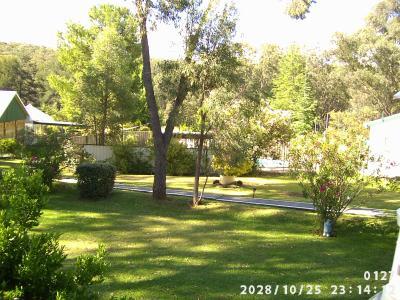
[31, 265]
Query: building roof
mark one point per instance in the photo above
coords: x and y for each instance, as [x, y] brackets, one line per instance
[383, 120]
[11, 107]
[36, 116]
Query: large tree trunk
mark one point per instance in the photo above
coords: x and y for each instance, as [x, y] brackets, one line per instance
[102, 136]
[160, 175]
[200, 147]
[160, 168]
[161, 140]
[103, 120]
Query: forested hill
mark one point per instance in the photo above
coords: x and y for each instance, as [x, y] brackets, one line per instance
[25, 68]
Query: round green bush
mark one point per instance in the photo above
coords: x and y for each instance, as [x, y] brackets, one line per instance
[95, 180]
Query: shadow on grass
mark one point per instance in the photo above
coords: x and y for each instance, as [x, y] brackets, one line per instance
[168, 250]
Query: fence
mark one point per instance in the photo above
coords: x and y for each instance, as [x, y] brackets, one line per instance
[100, 153]
[84, 140]
[138, 138]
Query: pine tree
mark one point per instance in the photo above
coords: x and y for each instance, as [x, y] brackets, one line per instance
[292, 91]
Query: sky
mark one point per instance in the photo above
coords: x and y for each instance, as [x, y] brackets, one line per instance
[260, 21]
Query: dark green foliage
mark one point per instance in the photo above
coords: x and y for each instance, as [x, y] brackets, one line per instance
[10, 146]
[95, 180]
[46, 154]
[132, 160]
[101, 85]
[22, 197]
[31, 265]
[292, 91]
[38, 270]
[181, 161]
[25, 68]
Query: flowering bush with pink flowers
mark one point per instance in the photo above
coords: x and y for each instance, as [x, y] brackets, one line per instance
[329, 168]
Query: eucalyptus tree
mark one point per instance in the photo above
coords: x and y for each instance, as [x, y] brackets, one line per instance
[328, 85]
[266, 70]
[100, 85]
[217, 64]
[195, 20]
[372, 60]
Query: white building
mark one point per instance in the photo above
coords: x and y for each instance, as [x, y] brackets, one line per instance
[384, 143]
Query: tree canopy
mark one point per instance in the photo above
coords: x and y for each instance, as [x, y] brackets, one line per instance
[372, 60]
[292, 90]
[101, 84]
[25, 68]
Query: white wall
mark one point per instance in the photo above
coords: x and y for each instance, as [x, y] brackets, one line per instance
[102, 153]
[384, 142]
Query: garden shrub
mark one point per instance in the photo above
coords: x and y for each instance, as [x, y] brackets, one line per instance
[329, 167]
[46, 154]
[231, 163]
[23, 194]
[32, 265]
[95, 180]
[10, 147]
[181, 161]
[129, 159]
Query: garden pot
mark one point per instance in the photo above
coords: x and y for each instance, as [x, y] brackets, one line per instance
[328, 228]
[226, 180]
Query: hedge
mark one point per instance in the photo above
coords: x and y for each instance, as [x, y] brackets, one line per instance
[95, 180]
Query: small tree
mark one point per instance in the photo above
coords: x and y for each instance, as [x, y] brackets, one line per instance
[51, 152]
[46, 154]
[232, 136]
[329, 169]
[270, 130]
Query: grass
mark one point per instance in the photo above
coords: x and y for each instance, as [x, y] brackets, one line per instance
[7, 163]
[274, 186]
[171, 251]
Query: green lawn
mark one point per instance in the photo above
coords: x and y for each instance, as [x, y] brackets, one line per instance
[171, 251]
[281, 187]
[278, 186]
[6, 163]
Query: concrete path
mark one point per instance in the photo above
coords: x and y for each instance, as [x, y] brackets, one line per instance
[244, 200]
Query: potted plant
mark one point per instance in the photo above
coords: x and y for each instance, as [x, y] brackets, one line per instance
[230, 164]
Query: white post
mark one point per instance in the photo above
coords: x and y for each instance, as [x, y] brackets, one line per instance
[391, 291]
